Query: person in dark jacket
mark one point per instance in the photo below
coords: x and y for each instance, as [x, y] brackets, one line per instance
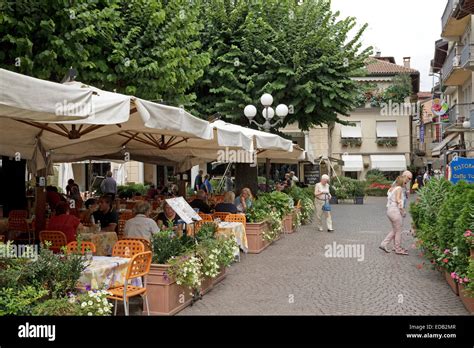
[228, 205]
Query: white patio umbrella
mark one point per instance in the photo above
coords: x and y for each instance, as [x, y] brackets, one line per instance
[25, 97]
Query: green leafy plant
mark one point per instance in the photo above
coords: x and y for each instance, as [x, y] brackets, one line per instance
[20, 300]
[92, 303]
[186, 269]
[206, 232]
[56, 272]
[166, 244]
[227, 246]
[352, 142]
[55, 307]
[208, 252]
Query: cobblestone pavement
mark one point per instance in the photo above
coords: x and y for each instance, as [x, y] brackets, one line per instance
[293, 276]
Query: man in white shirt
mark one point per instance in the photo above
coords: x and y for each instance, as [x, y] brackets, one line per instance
[294, 177]
[141, 226]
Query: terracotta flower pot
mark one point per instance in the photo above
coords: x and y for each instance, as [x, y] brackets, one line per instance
[165, 297]
[255, 238]
[288, 224]
[452, 283]
[467, 300]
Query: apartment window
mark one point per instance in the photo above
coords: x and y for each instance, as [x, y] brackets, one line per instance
[351, 135]
[387, 133]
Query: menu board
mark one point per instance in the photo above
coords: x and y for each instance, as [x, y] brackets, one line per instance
[311, 174]
[183, 209]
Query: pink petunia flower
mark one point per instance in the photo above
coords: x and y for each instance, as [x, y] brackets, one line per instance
[453, 275]
[446, 251]
[466, 280]
[445, 260]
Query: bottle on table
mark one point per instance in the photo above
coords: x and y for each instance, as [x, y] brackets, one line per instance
[98, 226]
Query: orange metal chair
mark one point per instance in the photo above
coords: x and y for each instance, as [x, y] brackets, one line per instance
[130, 205]
[220, 215]
[236, 218]
[18, 224]
[206, 217]
[145, 242]
[139, 266]
[85, 246]
[127, 248]
[57, 238]
[127, 215]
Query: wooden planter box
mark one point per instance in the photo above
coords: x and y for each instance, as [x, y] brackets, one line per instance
[466, 300]
[288, 224]
[254, 237]
[165, 297]
[452, 283]
[220, 277]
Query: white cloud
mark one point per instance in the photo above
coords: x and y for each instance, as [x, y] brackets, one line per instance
[399, 28]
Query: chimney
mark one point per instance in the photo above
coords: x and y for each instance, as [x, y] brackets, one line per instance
[378, 54]
[406, 62]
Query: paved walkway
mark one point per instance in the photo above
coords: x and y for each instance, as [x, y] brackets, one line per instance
[293, 276]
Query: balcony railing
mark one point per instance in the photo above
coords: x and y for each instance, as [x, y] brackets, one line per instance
[457, 115]
[452, 61]
[466, 54]
[448, 10]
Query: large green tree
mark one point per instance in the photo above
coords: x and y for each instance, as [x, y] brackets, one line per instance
[149, 48]
[300, 51]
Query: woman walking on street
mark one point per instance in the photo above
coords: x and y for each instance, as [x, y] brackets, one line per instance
[321, 192]
[395, 213]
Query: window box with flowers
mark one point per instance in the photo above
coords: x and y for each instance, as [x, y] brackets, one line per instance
[352, 142]
[387, 142]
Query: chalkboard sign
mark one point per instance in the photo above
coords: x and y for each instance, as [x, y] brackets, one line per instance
[311, 174]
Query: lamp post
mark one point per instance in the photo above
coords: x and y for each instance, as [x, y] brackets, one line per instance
[268, 113]
[250, 111]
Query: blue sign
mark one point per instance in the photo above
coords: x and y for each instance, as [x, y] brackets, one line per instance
[462, 169]
[422, 133]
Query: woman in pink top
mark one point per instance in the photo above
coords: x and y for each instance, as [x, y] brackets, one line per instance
[395, 214]
[64, 222]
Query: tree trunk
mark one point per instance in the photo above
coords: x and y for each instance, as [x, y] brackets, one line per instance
[246, 176]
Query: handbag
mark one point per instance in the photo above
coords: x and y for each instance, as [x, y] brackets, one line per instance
[326, 206]
[415, 186]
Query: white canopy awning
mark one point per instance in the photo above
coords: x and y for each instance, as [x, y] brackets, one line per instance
[263, 140]
[389, 163]
[353, 163]
[387, 129]
[351, 131]
[437, 150]
[25, 97]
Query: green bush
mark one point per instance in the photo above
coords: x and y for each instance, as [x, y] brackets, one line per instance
[166, 244]
[56, 273]
[130, 190]
[56, 306]
[348, 188]
[20, 300]
[207, 231]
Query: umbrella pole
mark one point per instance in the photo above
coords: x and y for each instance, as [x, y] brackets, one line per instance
[40, 203]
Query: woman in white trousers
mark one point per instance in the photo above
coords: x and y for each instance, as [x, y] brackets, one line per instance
[321, 193]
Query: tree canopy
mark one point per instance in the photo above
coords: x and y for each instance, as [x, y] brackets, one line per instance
[300, 52]
[213, 56]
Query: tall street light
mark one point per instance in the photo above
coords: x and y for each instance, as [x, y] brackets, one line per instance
[250, 111]
[268, 113]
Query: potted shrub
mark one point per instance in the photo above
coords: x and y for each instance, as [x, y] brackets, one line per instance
[466, 290]
[165, 295]
[255, 228]
[358, 192]
[333, 193]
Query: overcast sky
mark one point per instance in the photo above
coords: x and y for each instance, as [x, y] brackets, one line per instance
[399, 28]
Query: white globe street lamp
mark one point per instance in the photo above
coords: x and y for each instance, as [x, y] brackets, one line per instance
[268, 112]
